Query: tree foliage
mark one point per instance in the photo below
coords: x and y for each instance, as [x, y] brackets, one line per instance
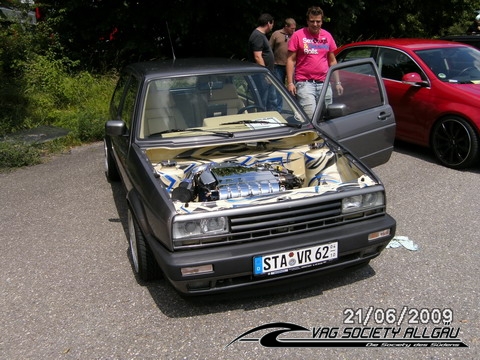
[59, 71]
[106, 33]
[40, 84]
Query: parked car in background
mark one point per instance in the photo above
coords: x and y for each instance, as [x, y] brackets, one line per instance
[224, 193]
[433, 87]
[473, 40]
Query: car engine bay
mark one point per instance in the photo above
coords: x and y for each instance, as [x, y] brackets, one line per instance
[264, 172]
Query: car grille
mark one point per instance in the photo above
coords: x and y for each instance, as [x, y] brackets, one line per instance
[264, 225]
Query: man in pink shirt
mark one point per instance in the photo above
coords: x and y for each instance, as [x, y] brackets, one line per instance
[310, 54]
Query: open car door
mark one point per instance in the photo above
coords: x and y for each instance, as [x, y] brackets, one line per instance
[361, 118]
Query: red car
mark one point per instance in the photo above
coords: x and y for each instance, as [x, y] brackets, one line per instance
[433, 87]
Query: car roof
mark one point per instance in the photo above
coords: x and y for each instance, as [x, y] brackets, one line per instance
[193, 66]
[408, 43]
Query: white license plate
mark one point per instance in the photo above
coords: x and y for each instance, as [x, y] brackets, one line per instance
[294, 259]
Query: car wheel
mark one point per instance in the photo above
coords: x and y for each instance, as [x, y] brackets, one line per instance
[144, 262]
[455, 142]
[111, 171]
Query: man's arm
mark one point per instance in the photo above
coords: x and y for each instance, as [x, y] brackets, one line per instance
[257, 55]
[332, 60]
[290, 68]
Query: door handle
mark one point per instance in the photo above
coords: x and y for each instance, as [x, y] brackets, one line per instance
[383, 116]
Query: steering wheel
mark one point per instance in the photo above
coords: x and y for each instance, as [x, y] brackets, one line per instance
[250, 107]
[465, 70]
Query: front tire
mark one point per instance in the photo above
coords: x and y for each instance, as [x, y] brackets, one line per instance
[455, 142]
[144, 262]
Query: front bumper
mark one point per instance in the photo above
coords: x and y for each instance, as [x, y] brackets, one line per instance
[233, 264]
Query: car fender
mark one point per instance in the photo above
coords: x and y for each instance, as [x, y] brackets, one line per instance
[138, 210]
[470, 113]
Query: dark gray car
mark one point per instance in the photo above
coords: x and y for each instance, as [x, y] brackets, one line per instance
[226, 188]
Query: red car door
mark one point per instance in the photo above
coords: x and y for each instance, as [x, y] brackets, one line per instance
[412, 105]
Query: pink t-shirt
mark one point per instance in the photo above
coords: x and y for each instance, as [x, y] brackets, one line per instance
[312, 51]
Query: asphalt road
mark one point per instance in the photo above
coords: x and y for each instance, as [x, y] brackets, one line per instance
[68, 290]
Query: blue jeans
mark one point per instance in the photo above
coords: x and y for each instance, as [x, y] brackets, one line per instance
[268, 93]
[308, 94]
[281, 73]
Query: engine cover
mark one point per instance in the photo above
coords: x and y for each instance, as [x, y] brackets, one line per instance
[230, 180]
[237, 181]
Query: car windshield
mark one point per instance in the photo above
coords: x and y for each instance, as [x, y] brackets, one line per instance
[453, 64]
[215, 105]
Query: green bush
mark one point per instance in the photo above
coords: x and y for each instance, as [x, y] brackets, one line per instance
[61, 97]
[48, 91]
[89, 126]
[17, 154]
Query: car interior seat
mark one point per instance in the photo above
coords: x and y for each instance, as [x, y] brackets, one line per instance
[223, 101]
[388, 66]
[160, 113]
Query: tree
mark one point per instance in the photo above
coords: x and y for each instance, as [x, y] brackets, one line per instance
[109, 33]
[410, 18]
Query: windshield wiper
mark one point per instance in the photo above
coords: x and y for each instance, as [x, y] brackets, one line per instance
[219, 133]
[297, 126]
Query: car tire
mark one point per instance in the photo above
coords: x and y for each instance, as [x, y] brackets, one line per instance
[111, 171]
[455, 143]
[144, 262]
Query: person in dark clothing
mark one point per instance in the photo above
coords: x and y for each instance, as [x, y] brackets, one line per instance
[259, 49]
[475, 27]
[260, 52]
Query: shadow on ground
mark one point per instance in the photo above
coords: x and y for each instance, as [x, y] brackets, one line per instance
[426, 154]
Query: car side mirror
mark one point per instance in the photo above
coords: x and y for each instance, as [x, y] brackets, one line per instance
[115, 128]
[413, 79]
[335, 110]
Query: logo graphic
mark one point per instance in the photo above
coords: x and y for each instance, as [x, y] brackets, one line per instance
[288, 335]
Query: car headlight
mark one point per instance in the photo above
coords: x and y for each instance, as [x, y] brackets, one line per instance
[362, 202]
[201, 227]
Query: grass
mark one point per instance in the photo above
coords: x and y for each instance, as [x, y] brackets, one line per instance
[49, 92]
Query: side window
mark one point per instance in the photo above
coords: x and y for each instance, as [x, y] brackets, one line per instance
[117, 96]
[355, 53]
[394, 64]
[128, 107]
[361, 90]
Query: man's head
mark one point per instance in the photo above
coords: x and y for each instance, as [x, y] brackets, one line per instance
[314, 19]
[290, 26]
[266, 21]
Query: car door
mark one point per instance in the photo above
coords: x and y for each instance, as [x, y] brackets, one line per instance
[412, 105]
[122, 108]
[360, 118]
